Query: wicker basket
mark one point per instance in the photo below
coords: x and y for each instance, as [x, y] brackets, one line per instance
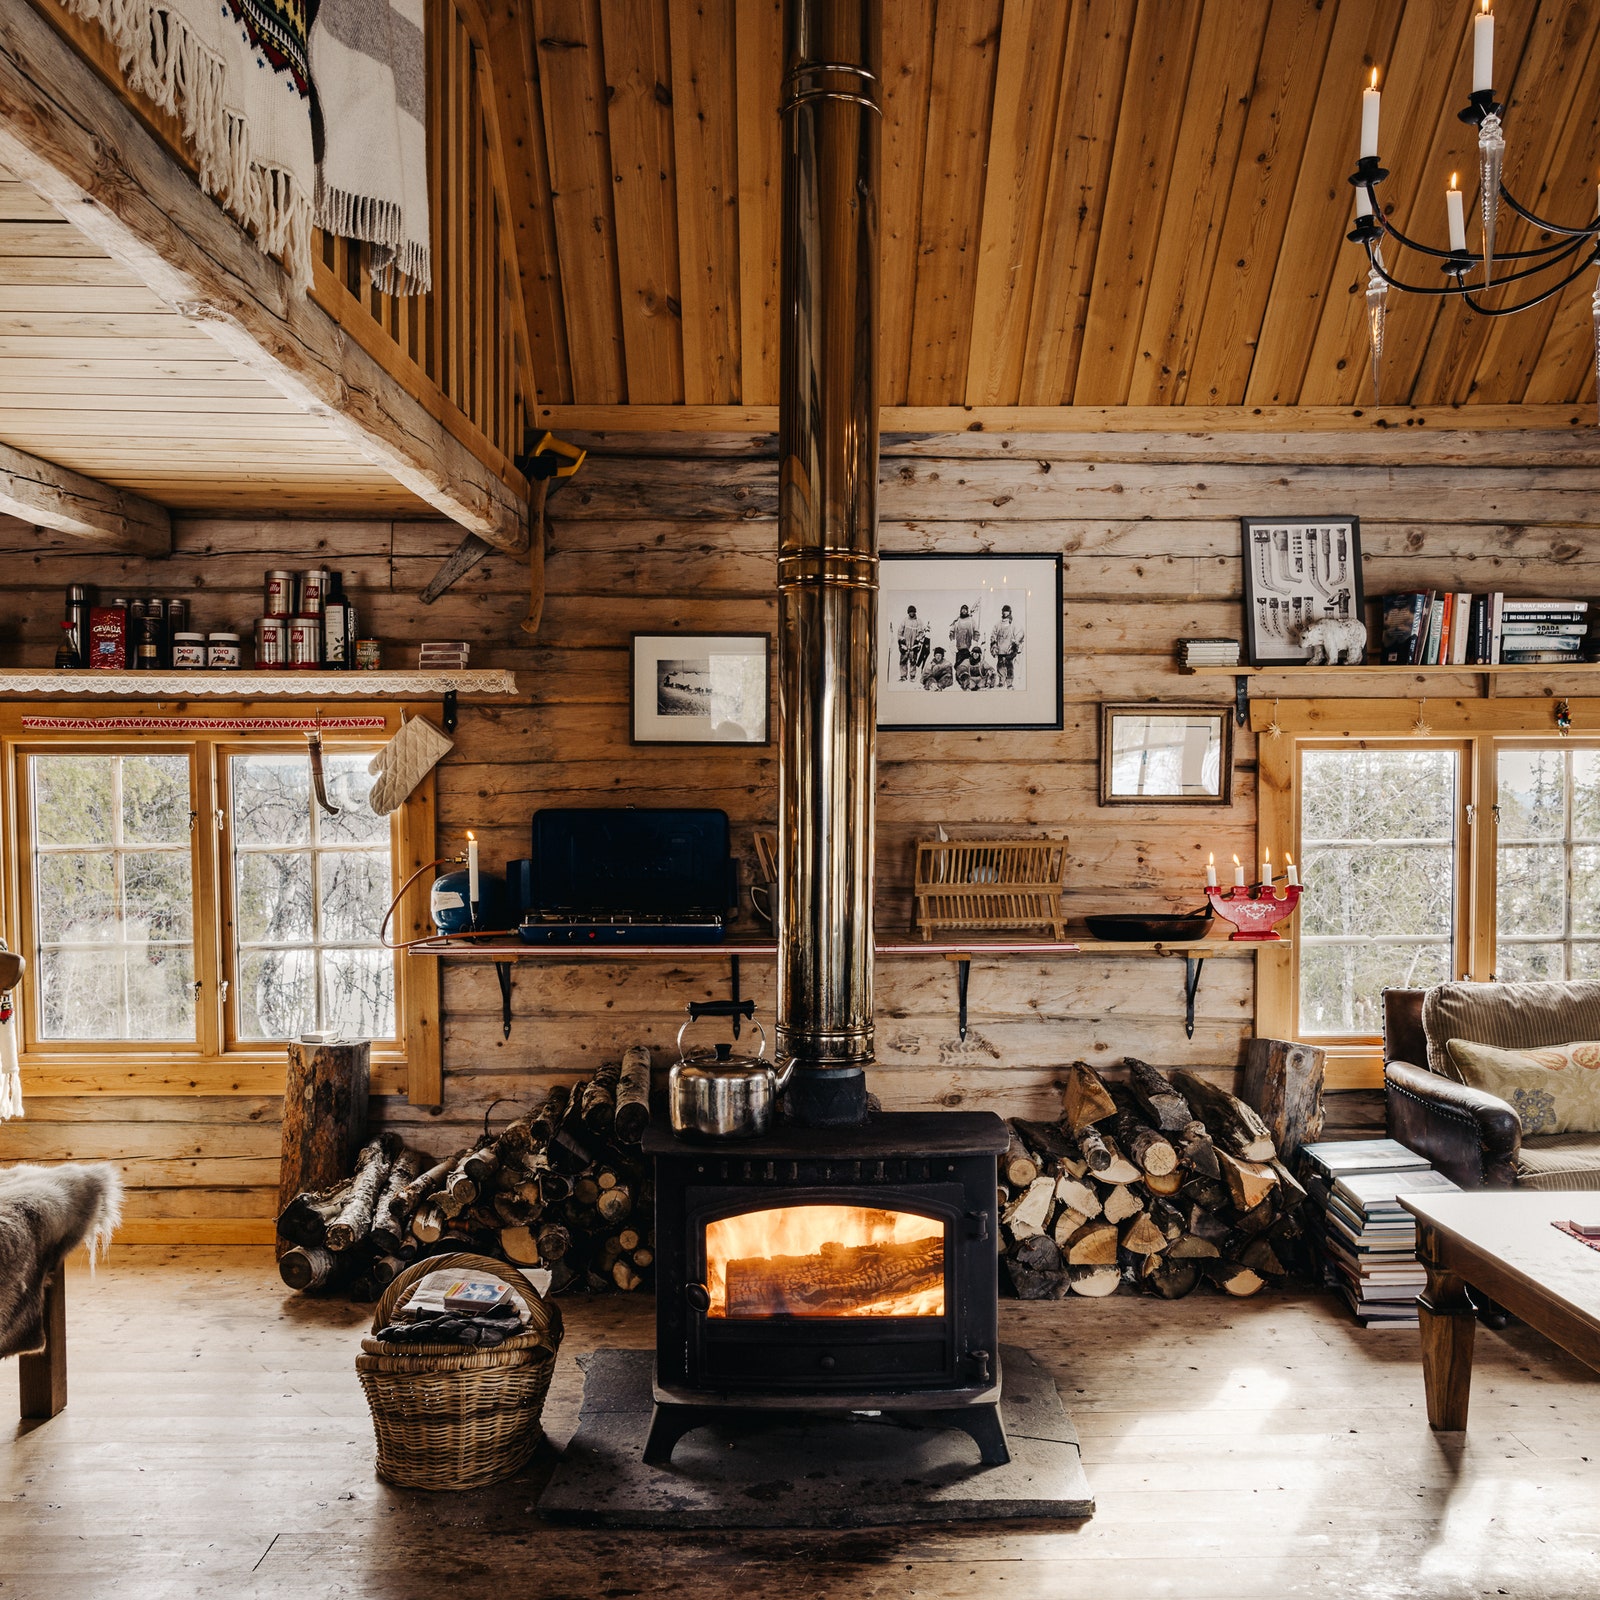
[448, 1417]
[974, 884]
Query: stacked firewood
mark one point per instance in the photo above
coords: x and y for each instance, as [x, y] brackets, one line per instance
[564, 1187]
[1160, 1183]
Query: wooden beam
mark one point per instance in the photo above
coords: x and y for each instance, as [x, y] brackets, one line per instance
[1090, 419]
[49, 496]
[71, 137]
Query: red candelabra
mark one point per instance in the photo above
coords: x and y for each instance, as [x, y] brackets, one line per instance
[1254, 911]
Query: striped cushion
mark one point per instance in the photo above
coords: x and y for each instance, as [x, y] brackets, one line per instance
[1510, 1016]
[1560, 1161]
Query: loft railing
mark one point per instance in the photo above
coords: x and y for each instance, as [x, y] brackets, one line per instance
[463, 346]
[462, 349]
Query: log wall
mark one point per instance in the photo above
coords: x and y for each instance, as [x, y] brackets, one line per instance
[659, 536]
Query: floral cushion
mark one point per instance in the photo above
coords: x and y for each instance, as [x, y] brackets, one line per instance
[1554, 1088]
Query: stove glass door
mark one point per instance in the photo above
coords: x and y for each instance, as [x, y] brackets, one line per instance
[812, 1260]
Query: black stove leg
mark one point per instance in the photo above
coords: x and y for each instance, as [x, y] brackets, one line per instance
[987, 1430]
[668, 1424]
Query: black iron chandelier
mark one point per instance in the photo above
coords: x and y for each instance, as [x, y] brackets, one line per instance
[1571, 251]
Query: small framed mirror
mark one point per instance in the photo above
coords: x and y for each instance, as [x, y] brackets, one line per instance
[1166, 755]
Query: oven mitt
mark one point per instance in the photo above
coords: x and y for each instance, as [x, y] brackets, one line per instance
[404, 762]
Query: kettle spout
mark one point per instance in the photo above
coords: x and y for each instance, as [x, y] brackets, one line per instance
[785, 1073]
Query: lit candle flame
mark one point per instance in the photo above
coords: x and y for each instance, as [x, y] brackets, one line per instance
[470, 833]
[1288, 859]
[1236, 861]
[1211, 858]
[1485, 5]
[1374, 77]
[1454, 179]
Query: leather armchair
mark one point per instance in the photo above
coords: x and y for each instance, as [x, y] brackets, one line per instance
[1473, 1137]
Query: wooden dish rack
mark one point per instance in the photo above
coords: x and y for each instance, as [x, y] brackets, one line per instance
[972, 884]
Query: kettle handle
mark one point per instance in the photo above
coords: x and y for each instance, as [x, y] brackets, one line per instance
[694, 1017]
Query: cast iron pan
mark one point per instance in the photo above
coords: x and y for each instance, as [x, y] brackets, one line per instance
[1187, 925]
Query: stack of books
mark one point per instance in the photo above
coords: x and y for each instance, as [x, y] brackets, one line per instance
[446, 657]
[1426, 628]
[1368, 1239]
[1208, 652]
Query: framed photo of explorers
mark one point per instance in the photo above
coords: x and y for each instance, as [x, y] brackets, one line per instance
[701, 688]
[1298, 571]
[969, 641]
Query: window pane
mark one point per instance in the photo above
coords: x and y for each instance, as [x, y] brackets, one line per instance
[114, 910]
[1341, 985]
[349, 785]
[273, 895]
[1531, 893]
[318, 885]
[1377, 836]
[155, 898]
[1585, 794]
[1585, 961]
[1529, 963]
[80, 994]
[77, 898]
[271, 799]
[358, 993]
[72, 800]
[277, 994]
[355, 894]
[155, 800]
[1533, 794]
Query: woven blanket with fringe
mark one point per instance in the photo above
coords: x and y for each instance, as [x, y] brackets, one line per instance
[45, 1214]
[369, 69]
[235, 74]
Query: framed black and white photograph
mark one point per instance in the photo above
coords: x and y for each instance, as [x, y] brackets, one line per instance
[969, 641]
[701, 688]
[1299, 574]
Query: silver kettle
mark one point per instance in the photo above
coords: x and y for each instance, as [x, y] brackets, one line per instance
[719, 1095]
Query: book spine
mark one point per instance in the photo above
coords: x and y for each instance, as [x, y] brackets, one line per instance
[1435, 630]
[1419, 629]
[1463, 629]
[1496, 613]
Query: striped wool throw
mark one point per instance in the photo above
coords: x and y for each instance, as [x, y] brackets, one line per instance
[367, 64]
[234, 73]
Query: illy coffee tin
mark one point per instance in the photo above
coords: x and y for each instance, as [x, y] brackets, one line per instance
[222, 650]
[272, 642]
[305, 641]
[278, 597]
[313, 591]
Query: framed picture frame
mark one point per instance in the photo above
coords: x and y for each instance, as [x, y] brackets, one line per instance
[969, 641]
[1166, 753]
[1297, 571]
[701, 688]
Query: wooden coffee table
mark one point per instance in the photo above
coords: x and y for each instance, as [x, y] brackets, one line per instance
[1501, 1242]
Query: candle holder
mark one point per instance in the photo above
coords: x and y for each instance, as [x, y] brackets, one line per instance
[1255, 911]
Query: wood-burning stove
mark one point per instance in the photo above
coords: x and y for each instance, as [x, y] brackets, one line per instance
[845, 1269]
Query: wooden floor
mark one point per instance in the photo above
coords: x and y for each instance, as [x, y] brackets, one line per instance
[216, 1444]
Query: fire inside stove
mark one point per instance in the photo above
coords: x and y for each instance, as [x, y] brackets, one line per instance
[825, 1261]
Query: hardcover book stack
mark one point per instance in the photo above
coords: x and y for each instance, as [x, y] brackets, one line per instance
[1208, 652]
[1427, 628]
[1368, 1239]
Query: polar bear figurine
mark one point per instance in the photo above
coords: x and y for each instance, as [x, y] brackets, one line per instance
[1334, 641]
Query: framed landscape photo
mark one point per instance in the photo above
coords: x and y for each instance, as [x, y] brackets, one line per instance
[701, 688]
[1297, 571]
[969, 641]
[1169, 754]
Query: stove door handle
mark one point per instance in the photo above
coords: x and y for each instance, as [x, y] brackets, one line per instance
[978, 1225]
[698, 1296]
[982, 1358]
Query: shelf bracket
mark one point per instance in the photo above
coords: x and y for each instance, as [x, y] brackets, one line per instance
[448, 711]
[1241, 701]
[963, 978]
[1191, 987]
[733, 986]
[502, 970]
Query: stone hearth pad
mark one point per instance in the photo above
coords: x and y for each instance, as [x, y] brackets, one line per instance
[822, 1472]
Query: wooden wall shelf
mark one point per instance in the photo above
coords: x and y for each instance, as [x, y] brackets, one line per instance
[285, 683]
[1548, 668]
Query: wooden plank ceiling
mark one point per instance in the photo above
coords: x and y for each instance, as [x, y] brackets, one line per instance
[99, 375]
[1103, 203]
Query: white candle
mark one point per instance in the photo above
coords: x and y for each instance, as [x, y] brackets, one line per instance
[1458, 221]
[472, 873]
[1363, 202]
[1294, 871]
[1370, 102]
[1238, 874]
[1266, 868]
[1483, 49]
[1211, 871]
